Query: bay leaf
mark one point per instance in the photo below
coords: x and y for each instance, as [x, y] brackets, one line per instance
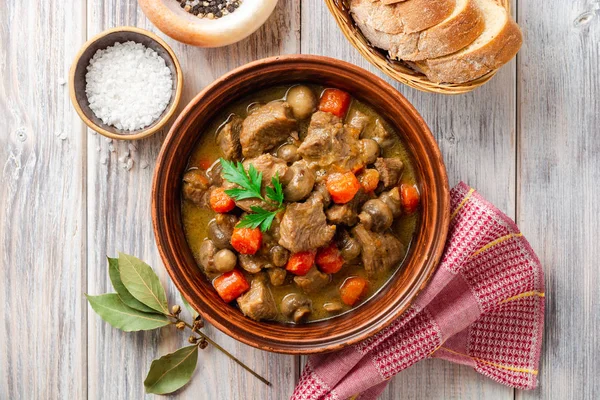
[111, 309]
[115, 278]
[143, 283]
[171, 371]
[188, 306]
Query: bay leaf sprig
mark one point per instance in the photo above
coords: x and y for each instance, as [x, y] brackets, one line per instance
[250, 183]
[140, 304]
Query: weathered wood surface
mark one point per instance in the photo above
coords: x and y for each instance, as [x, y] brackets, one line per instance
[557, 187]
[527, 141]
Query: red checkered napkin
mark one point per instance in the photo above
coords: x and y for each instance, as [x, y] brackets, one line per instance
[484, 307]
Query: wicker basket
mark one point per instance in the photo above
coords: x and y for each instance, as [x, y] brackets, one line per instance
[397, 70]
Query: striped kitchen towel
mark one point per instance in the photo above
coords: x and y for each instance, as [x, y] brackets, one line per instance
[484, 307]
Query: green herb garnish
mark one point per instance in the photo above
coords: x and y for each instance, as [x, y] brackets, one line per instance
[250, 188]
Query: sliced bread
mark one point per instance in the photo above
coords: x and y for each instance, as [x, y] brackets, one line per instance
[498, 44]
[459, 29]
[405, 17]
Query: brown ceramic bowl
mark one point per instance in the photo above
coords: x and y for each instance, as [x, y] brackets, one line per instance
[388, 303]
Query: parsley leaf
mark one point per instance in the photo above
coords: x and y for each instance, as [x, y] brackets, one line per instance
[249, 182]
[260, 218]
[275, 194]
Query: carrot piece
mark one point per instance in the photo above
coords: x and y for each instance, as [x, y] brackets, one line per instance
[220, 202]
[369, 180]
[342, 186]
[300, 263]
[246, 240]
[329, 260]
[410, 198]
[205, 163]
[231, 285]
[335, 101]
[353, 289]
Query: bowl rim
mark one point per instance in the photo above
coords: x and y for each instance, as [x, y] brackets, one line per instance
[144, 132]
[434, 246]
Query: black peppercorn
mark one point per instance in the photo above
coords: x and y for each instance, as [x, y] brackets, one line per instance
[219, 14]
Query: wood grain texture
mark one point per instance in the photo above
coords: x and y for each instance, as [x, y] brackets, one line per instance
[42, 204]
[558, 142]
[67, 200]
[119, 182]
[476, 134]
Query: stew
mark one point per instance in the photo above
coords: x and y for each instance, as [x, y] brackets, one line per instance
[299, 203]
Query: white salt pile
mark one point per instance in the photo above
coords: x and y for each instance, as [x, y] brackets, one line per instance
[128, 85]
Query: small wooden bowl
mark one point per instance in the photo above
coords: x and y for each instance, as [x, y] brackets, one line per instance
[394, 298]
[395, 69]
[103, 40]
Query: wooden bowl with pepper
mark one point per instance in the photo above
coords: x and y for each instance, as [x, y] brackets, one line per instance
[171, 194]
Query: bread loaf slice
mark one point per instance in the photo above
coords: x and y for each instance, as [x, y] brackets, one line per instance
[458, 30]
[498, 44]
[405, 17]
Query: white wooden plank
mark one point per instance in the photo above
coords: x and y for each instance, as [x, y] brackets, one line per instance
[558, 143]
[119, 219]
[42, 223]
[477, 139]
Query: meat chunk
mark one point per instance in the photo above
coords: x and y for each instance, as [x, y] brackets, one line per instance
[258, 302]
[329, 142]
[380, 251]
[390, 171]
[207, 256]
[383, 136]
[268, 126]
[313, 281]
[269, 166]
[344, 214]
[347, 214]
[304, 226]
[228, 138]
[195, 187]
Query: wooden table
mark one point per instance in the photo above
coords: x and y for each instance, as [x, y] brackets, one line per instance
[529, 141]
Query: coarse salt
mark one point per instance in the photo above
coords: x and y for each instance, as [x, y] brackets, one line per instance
[128, 85]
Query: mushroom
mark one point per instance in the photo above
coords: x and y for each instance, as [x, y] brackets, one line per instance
[225, 260]
[376, 216]
[333, 307]
[302, 182]
[393, 201]
[349, 247]
[288, 153]
[253, 264]
[279, 255]
[296, 306]
[370, 150]
[220, 230]
[277, 276]
[302, 100]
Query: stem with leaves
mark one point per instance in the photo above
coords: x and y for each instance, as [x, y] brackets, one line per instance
[140, 303]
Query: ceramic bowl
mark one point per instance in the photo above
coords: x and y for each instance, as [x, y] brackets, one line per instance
[373, 315]
[174, 21]
[109, 38]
